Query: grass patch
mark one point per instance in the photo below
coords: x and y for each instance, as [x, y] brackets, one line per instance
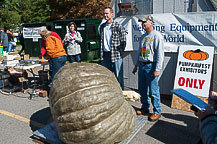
[93, 61]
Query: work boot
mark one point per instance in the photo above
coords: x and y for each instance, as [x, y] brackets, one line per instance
[142, 111]
[154, 117]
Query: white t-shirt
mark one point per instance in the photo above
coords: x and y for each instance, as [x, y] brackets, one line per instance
[107, 37]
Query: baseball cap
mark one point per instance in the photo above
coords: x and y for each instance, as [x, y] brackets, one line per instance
[43, 28]
[44, 32]
[146, 18]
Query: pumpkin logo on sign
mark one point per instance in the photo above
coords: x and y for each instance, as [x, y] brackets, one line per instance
[195, 55]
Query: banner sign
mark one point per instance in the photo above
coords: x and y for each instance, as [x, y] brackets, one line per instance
[31, 32]
[194, 69]
[176, 29]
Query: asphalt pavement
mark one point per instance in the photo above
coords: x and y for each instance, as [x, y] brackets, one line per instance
[20, 116]
[174, 127]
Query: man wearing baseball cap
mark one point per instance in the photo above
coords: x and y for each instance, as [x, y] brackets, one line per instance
[149, 60]
[43, 41]
[55, 52]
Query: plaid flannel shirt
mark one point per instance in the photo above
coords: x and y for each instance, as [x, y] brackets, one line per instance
[118, 40]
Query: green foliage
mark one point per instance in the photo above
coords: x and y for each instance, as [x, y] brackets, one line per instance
[35, 11]
[9, 19]
[68, 9]
[15, 12]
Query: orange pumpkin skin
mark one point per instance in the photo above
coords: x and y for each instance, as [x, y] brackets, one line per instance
[196, 55]
[186, 54]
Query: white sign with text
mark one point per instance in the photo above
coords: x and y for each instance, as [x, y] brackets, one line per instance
[31, 32]
[176, 29]
[194, 69]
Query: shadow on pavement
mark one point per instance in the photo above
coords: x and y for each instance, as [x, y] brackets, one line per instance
[135, 108]
[166, 101]
[169, 132]
[40, 119]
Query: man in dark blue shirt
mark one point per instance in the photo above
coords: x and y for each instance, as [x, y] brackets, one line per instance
[4, 39]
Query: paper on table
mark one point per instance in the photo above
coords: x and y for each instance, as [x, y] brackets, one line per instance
[190, 98]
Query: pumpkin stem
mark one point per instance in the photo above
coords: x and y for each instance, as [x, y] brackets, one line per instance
[197, 51]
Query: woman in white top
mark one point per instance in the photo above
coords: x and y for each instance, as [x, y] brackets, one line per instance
[72, 40]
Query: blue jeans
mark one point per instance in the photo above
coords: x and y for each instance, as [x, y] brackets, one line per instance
[74, 58]
[9, 47]
[116, 67]
[50, 68]
[56, 64]
[148, 84]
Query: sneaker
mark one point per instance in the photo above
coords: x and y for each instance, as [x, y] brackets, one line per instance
[154, 117]
[142, 111]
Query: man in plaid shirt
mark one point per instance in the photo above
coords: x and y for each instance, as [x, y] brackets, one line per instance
[113, 43]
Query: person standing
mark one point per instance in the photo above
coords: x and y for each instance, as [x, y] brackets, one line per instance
[72, 40]
[4, 40]
[43, 41]
[21, 38]
[55, 52]
[113, 43]
[149, 60]
[10, 40]
[43, 46]
[1, 30]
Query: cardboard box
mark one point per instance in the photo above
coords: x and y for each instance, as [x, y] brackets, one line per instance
[22, 79]
[18, 75]
[17, 57]
[20, 72]
[11, 57]
[43, 93]
[10, 62]
[8, 57]
[24, 57]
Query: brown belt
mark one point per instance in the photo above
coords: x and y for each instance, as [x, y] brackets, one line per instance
[144, 63]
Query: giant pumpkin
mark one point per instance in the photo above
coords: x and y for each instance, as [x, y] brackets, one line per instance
[88, 107]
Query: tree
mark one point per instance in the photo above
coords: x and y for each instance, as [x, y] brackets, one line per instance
[35, 11]
[8, 17]
[15, 12]
[68, 9]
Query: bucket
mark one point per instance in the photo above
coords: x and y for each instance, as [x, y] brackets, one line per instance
[4, 79]
[43, 76]
[1, 50]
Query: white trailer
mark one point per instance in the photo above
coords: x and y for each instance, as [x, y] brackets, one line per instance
[181, 22]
